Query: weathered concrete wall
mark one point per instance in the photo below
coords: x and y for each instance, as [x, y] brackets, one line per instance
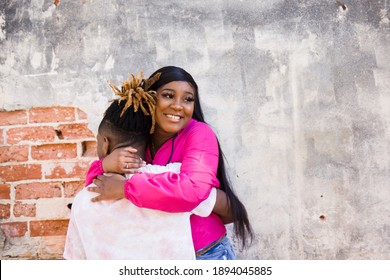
[297, 91]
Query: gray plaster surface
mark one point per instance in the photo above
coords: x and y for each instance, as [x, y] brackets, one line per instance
[298, 93]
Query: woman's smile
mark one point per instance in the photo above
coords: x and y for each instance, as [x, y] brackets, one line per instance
[173, 117]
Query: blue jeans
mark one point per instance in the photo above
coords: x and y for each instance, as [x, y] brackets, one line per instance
[222, 251]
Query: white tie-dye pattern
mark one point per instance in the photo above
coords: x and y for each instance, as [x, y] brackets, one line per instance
[120, 230]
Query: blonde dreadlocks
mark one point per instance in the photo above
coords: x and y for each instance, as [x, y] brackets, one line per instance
[135, 91]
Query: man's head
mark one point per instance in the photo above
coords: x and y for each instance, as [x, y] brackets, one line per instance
[111, 137]
[129, 120]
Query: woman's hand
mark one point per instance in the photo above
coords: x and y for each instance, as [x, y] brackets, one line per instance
[109, 187]
[123, 160]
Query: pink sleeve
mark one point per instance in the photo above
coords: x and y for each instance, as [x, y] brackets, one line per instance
[182, 192]
[95, 169]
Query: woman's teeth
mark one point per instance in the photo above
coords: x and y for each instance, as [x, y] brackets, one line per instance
[173, 117]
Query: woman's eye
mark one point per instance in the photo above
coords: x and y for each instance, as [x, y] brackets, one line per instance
[167, 95]
[189, 99]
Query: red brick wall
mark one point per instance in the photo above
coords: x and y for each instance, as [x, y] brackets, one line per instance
[44, 156]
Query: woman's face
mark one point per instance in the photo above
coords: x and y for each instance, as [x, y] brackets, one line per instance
[175, 107]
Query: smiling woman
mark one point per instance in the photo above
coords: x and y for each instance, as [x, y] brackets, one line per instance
[180, 135]
[174, 110]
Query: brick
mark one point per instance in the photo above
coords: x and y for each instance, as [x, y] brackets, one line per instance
[5, 211]
[5, 191]
[13, 117]
[24, 209]
[23, 252]
[74, 131]
[81, 114]
[72, 188]
[89, 149]
[14, 229]
[48, 227]
[38, 190]
[52, 114]
[13, 153]
[51, 247]
[54, 151]
[30, 133]
[51, 209]
[65, 170]
[18, 172]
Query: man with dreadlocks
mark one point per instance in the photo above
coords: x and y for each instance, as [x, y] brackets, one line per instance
[117, 229]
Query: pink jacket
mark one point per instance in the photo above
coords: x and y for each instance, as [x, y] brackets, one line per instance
[196, 148]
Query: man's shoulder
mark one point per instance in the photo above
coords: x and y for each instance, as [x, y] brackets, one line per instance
[154, 168]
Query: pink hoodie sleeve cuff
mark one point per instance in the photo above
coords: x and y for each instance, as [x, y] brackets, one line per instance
[95, 170]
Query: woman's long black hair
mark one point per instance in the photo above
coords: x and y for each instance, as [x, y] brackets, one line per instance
[242, 227]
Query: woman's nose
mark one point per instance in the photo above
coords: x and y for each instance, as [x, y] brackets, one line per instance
[177, 104]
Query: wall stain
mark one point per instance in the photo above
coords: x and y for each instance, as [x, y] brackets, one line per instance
[342, 5]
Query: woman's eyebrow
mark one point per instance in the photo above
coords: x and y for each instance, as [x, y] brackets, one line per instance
[169, 89]
[187, 92]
